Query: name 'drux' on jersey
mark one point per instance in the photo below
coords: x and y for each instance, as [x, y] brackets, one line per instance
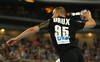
[63, 21]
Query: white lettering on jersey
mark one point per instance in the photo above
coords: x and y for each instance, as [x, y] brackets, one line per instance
[67, 21]
[62, 21]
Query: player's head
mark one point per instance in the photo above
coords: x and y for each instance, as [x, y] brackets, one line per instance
[59, 11]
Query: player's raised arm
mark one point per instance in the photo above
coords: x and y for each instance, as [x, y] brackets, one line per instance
[91, 22]
[24, 34]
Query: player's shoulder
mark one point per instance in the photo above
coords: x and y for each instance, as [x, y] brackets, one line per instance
[76, 21]
[72, 19]
[50, 19]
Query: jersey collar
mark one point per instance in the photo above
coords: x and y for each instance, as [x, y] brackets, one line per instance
[60, 17]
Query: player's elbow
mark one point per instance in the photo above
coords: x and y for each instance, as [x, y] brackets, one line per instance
[34, 29]
[94, 24]
[90, 25]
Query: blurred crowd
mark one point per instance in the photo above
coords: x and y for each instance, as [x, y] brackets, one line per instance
[28, 50]
[91, 53]
[44, 50]
[32, 11]
[38, 49]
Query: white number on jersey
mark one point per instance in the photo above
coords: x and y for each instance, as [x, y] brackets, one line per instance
[62, 34]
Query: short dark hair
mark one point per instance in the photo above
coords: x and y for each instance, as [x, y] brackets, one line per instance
[61, 10]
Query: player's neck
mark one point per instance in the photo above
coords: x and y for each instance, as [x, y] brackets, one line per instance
[62, 16]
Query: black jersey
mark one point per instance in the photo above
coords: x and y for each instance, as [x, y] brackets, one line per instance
[62, 31]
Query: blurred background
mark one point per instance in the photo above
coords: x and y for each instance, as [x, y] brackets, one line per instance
[18, 15]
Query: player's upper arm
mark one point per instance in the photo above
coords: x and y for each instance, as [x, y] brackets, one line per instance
[90, 24]
[44, 25]
[36, 28]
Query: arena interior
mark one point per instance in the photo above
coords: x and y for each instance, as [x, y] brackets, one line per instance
[18, 15]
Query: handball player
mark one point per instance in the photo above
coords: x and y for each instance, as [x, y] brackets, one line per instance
[62, 31]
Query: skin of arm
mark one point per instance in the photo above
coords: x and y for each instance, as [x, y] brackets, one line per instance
[24, 34]
[91, 22]
[28, 32]
[33, 30]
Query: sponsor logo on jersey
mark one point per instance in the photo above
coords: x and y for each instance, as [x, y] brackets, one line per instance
[59, 38]
[62, 40]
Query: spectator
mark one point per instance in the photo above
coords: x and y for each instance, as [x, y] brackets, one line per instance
[85, 44]
[97, 57]
[98, 41]
[0, 55]
[47, 53]
[35, 42]
[42, 51]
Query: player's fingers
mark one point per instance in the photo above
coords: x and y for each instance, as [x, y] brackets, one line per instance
[10, 40]
[13, 43]
[88, 12]
[83, 13]
[7, 42]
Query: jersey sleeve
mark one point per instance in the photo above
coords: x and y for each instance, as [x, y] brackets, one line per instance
[44, 25]
[78, 24]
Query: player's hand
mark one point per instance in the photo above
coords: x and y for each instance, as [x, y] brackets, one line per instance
[86, 14]
[11, 42]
